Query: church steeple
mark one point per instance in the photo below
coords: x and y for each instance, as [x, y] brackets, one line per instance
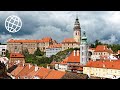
[77, 30]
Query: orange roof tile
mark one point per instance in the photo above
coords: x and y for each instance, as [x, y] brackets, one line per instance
[43, 72]
[114, 64]
[55, 74]
[16, 55]
[24, 71]
[64, 61]
[69, 40]
[73, 58]
[55, 46]
[103, 48]
[33, 73]
[45, 39]
[17, 70]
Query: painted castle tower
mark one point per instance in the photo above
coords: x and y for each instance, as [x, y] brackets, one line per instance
[77, 30]
[84, 50]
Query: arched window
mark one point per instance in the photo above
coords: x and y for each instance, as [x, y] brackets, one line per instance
[76, 33]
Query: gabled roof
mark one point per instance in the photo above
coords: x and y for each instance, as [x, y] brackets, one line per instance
[45, 39]
[64, 61]
[16, 55]
[24, 71]
[17, 70]
[103, 48]
[72, 58]
[43, 72]
[69, 40]
[113, 64]
[55, 74]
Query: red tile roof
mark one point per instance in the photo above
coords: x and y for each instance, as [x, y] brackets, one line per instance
[45, 39]
[72, 58]
[55, 74]
[64, 61]
[17, 70]
[55, 46]
[103, 48]
[69, 40]
[43, 72]
[16, 55]
[113, 64]
[24, 71]
[33, 73]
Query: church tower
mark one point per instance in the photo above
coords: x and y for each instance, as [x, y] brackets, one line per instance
[84, 50]
[77, 30]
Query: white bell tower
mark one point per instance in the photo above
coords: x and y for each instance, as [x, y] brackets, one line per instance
[84, 50]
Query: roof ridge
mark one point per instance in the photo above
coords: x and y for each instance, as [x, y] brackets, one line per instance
[48, 73]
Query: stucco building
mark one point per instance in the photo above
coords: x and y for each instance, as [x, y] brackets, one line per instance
[20, 45]
[53, 49]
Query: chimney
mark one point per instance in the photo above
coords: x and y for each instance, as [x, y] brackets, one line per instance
[103, 65]
[30, 66]
[104, 47]
[36, 67]
[77, 52]
[74, 52]
[23, 64]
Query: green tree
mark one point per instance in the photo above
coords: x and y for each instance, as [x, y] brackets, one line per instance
[92, 46]
[25, 52]
[38, 52]
[97, 42]
[7, 54]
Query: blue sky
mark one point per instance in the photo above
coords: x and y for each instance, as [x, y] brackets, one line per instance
[102, 25]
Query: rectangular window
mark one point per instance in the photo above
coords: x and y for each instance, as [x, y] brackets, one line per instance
[82, 53]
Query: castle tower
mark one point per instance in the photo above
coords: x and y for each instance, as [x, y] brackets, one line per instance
[77, 30]
[84, 50]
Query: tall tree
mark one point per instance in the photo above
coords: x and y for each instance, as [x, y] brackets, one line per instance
[97, 42]
[7, 54]
[25, 52]
[38, 52]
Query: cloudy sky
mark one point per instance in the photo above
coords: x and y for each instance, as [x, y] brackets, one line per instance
[102, 25]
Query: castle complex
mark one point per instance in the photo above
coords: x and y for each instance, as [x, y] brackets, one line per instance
[20, 45]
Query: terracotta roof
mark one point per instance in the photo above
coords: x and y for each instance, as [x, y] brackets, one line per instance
[43, 72]
[69, 40]
[33, 73]
[21, 41]
[17, 70]
[64, 61]
[23, 71]
[72, 58]
[103, 48]
[55, 74]
[55, 46]
[16, 55]
[113, 64]
[45, 39]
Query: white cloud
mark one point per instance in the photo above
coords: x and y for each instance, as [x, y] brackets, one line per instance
[59, 24]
